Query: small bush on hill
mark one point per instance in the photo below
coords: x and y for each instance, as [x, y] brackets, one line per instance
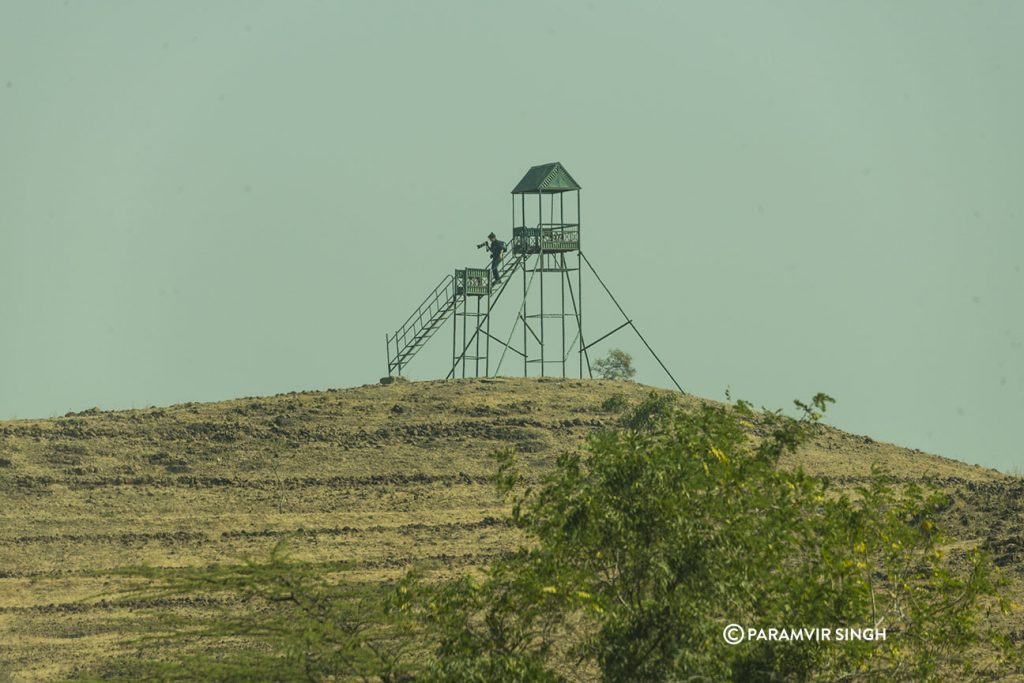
[616, 403]
[649, 412]
[616, 365]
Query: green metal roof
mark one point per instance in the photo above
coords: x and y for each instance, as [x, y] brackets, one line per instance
[546, 178]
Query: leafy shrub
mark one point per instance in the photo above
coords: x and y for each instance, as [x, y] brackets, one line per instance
[616, 403]
[648, 412]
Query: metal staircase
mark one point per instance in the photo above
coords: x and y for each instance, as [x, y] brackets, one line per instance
[430, 315]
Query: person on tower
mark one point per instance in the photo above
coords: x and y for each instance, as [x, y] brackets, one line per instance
[497, 249]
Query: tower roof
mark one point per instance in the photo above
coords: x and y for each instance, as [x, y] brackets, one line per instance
[546, 178]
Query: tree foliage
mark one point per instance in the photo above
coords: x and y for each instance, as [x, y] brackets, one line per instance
[648, 413]
[616, 365]
[647, 546]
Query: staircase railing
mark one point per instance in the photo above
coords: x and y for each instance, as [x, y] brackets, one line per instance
[420, 325]
[430, 315]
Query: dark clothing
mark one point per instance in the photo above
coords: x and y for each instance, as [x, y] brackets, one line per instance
[497, 247]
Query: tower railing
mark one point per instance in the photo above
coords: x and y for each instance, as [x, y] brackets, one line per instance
[547, 237]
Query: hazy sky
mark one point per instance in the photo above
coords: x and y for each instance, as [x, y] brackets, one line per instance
[206, 200]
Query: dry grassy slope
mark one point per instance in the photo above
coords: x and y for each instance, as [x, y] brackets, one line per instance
[379, 475]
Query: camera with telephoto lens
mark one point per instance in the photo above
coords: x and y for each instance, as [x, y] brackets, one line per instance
[481, 245]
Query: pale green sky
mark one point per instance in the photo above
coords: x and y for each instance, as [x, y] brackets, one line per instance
[205, 200]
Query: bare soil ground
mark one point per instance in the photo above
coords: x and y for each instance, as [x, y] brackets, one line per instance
[380, 476]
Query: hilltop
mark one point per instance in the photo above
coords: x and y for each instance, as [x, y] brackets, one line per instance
[380, 476]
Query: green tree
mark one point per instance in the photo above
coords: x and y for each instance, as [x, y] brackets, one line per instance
[616, 365]
[643, 549]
